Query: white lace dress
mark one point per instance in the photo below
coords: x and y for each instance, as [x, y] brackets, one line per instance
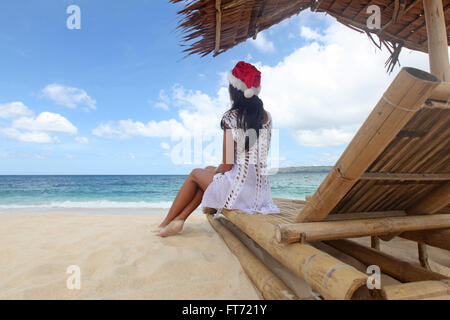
[246, 186]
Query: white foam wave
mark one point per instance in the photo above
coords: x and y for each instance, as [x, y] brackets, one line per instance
[99, 204]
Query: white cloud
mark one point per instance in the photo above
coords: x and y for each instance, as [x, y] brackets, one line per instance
[82, 140]
[164, 101]
[14, 110]
[324, 91]
[132, 156]
[199, 114]
[68, 97]
[70, 156]
[161, 105]
[46, 122]
[165, 145]
[35, 137]
[262, 44]
[321, 93]
[310, 34]
[124, 129]
[23, 126]
[323, 137]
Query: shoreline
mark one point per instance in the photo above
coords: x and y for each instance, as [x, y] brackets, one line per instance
[93, 210]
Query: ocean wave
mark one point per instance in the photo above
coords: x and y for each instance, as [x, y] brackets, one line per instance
[98, 204]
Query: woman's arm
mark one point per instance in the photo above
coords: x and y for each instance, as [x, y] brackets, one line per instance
[228, 151]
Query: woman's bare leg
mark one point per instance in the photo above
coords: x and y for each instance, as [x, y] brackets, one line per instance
[186, 212]
[202, 178]
[176, 225]
[198, 180]
[184, 196]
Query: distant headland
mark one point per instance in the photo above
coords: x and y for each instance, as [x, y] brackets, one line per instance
[306, 169]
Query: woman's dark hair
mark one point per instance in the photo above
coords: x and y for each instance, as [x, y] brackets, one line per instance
[250, 112]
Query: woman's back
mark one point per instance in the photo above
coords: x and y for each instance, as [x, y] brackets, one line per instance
[246, 186]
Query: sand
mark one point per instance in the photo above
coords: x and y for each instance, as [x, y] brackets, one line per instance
[119, 258]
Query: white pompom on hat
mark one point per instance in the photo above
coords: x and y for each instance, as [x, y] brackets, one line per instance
[246, 78]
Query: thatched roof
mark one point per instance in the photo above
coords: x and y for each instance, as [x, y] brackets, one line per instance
[402, 21]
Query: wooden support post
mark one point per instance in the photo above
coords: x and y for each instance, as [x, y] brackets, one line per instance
[406, 94]
[333, 230]
[437, 39]
[270, 286]
[436, 238]
[218, 26]
[423, 255]
[401, 270]
[375, 242]
[416, 290]
[325, 274]
[434, 201]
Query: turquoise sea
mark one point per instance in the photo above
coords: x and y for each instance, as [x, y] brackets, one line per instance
[146, 191]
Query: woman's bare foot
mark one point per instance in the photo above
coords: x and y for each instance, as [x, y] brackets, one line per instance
[176, 226]
[160, 227]
[157, 230]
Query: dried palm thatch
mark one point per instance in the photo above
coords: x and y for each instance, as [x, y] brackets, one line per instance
[218, 25]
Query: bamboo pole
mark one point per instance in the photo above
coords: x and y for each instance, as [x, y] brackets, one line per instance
[333, 230]
[436, 238]
[270, 286]
[441, 92]
[437, 39]
[406, 94]
[326, 275]
[436, 200]
[444, 297]
[401, 270]
[416, 290]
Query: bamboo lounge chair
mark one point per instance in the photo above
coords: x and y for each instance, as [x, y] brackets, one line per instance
[393, 179]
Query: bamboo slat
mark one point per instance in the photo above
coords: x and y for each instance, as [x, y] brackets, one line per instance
[407, 93]
[400, 270]
[406, 176]
[325, 274]
[427, 152]
[333, 230]
[270, 286]
[416, 290]
[436, 200]
[365, 215]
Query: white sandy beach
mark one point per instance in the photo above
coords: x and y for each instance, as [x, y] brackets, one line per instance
[119, 257]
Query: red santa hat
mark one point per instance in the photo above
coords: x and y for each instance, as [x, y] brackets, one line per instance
[246, 78]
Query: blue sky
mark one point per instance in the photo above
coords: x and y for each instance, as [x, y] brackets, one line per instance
[117, 96]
